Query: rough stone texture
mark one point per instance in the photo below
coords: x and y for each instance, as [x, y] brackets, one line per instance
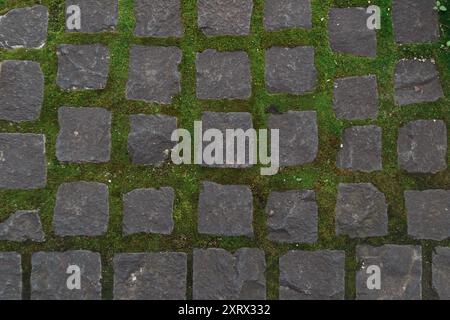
[22, 161]
[220, 275]
[21, 90]
[312, 275]
[361, 211]
[416, 81]
[22, 226]
[441, 272]
[299, 136]
[285, 14]
[148, 211]
[225, 210]
[224, 17]
[10, 276]
[150, 276]
[158, 18]
[361, 149]
[422, 146]
[149, 141]
[415, 21]
[223, 75]
[82, 66]
[49, 275]
[82, 209]
[292, 216]
[96, 16]
[24, 28]
[401, 272]
[348, 32]
[290, 70]
[356, 98]
[153, 74]
[428, 214]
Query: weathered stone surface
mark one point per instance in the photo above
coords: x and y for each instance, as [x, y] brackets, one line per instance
[428, 214]
[10, 276]
[290, 70]
[220, 275]
[225, 210]
[150, 276]
[82, 66]
[348, 32]
[292, 216]
[24, 28]
[361, 149]
[356, 98]
[422, 146]
[441, 272]
[223, 75]
[312, 275]
[285, 14]
[22, 161]
[21, 90]
[22, 226]
[153, 74]
[416, 81]
[158, 18]
[415, 21]
[51, 270]
[401, 272]
[149, 211]
[95, 16]
[361, 211]
[82, 209]
[149, 141]
[224, 17]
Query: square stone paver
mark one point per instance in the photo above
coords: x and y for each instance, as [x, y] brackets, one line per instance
[21, 90]
[220, 275]
[400, 269]
[292, 216]
[51, 271]
[225, 210]
[441, 272]
[312, 275]
[223, 75]
[82, 209]
[95, 16]
[10, 276]
[158, 18]
[21, 226]
[150, 276]
[84, 136]
[286, 14]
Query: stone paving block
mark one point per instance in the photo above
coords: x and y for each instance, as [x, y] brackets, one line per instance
[428, 214]
[24, 28]
[422, 146]
[10, 276]
[290, 70]
[82, 67]
[361, 211]
[51, 272]
[441, 272]
[299, 137]
[158, 18]
[220, 275]
[287, 14]
[225, 210]
[82, 209]
[22, 161]
[95, 16]
[84, 136]
[401, 272]
[223, 75]
[224, 17]
[148, 211]
[361, 149]
[292, 216]
[149, 141]
[348, 32]
[21, 90]
[150, 276]
[416, 81]
[21, 226]
[153, 74]
[312, 275]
